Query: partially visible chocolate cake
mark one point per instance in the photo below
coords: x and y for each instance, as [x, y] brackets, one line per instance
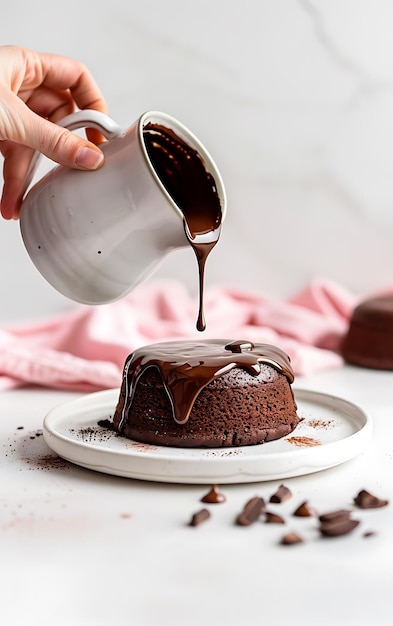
[214, 393]
[369, 340]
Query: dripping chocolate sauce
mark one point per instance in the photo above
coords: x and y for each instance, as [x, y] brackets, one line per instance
[183, 174]
[187, 367]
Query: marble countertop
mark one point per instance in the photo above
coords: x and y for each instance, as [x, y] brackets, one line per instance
[80, 547]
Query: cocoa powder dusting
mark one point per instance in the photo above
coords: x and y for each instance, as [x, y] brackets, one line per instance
[48, 462]
[303, 442]
[104, 431]
[315, 423]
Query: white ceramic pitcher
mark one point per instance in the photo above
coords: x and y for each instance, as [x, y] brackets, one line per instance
[94, 235]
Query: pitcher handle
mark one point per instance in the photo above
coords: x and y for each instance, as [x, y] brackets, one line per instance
[86, 118]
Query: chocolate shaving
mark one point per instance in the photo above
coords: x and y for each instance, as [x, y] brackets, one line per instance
[214, 496]
[304, 510]
[291, 539]
[282, 494]
[251, 512]
[366, 500]
[199, 517]
[272, 518]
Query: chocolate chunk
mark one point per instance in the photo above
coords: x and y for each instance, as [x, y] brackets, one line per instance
[366, 500]
[291, 539]
[106, 423]
[369, 533]
[214, 496]
[200, 517]
[335, 515]
[272, 518]
[338, 527]
[337, 523]
[304, 510]
[282, 494]
[251, 512]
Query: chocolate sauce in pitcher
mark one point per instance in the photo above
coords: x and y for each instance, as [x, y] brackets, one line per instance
[182, 171]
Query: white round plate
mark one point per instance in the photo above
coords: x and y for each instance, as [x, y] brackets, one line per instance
[332, 431]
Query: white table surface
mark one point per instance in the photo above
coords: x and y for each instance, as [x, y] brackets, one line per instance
[82, 548]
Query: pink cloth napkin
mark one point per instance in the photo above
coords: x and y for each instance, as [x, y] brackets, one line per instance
[85, 349]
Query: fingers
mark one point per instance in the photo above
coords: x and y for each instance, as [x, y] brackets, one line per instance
[54, 105]
[26, 70]
[51, 104]
[16, 164]
[21, 125]
[62, 73]
[62, 145]
[32, 76]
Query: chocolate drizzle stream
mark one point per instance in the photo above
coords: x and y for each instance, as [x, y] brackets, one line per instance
[187, 367]
[183, 174]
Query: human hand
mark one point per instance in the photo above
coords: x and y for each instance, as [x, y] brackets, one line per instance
[36, 90]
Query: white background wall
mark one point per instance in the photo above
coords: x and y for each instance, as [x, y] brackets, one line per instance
[293, 98]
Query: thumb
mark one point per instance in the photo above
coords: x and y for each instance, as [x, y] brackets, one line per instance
[25, 127]
[62, 145]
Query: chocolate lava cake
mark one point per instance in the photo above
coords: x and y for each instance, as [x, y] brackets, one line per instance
[213, 393]
[369, 340]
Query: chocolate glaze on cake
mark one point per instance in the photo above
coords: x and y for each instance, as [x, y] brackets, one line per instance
[206, 393]
[184, 175]
[369, 340]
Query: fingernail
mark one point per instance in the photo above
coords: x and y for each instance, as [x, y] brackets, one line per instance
[89, 159]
